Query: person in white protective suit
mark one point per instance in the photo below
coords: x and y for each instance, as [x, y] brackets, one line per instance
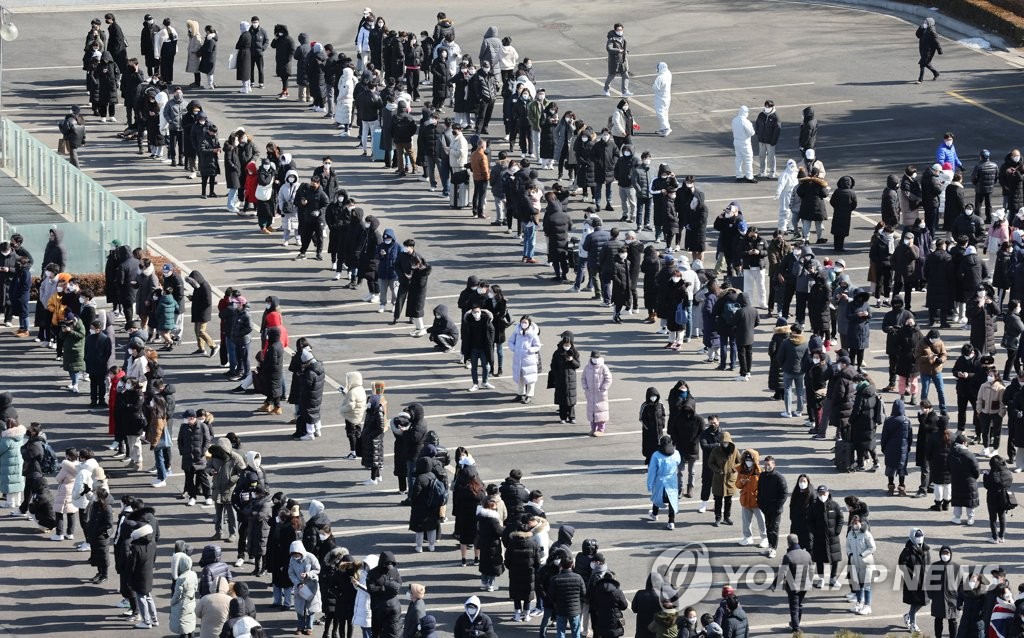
[662, 98]
[784, 193]
[742, 131]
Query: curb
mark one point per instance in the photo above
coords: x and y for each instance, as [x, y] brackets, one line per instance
[950, 28]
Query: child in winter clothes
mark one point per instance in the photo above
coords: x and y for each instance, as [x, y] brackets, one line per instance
[249, 187]
[652, 423]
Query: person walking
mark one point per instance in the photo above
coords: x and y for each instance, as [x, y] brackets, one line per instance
[797, 574]
[662, 87]
[618, 64]
[663, 480]
[913, 564]
[927, 46]
[597, 381]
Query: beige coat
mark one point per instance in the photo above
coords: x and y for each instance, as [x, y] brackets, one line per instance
[990, 398]
[195, 44]
[63, 500]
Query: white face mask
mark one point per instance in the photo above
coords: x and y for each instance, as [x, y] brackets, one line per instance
[907, 242]
[822, 497]
[269, 306]
[646, 162]
[677, 279]
[857, 527]
[60, 288]
[566, 346]
[481, 290]
[476, 315]
[803, 485]
[919, 540]
[618, 32]
[945, 557]
[327, 166]
[606, 137]
[323, 536]
[626, 154]
[524, 324]
[991, 378]
[1015, 158]
[749, 463]
[387, 240]
[82, 300]
[540, 503]
[366, 224]
[490, 295]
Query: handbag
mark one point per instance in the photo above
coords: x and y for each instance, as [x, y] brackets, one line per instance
[233, 61]
[264, 192]
[307, 591]
[460, 177]
[62, 146]
[1009, 501]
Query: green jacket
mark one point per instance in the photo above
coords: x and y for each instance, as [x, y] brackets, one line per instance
[533, 112]
[74, 348]
[165, 313]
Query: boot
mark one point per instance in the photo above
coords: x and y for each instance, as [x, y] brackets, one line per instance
[937, 507]
[913, 399]
[265, 407]
[902, 489]
[945, 505]
[892, 489]
[277, 410]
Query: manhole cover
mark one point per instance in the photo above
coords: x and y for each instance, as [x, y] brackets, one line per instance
[556, 26]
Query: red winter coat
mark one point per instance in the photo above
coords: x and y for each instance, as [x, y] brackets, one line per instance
[250, 183]
[112, 401]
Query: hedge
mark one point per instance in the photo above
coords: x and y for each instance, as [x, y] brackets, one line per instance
[96, 282]
[1002, 17]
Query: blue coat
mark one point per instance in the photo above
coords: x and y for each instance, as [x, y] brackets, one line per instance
[663, 477]
[387, 256]
[11, 479]
[897, 436]
[944, 155]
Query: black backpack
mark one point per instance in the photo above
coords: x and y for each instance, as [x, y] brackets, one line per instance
[49, 463]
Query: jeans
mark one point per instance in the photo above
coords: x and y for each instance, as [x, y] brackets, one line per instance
[232, 198]
[479, 196]
[162, 456]
[146, 607]
[788, 381]
[940, 388]
[232, 356]
[563, 622]
[242, 357]
[643, 213]
[796, 606]
[366, 135]
[430, 166]
[529, 239]
[479, 356]
[607, 193]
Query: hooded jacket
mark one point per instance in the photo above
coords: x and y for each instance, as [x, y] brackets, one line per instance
[474, 623]
[490, 49]
[742, 129]
[353, 403]
[55, 251]
[141, 558]
[808, 130]
[748, 477]
[897, 438]
[226, 466]
[723, 461]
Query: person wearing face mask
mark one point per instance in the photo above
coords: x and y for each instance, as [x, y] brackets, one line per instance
[258, 44]
[748, 474]
[328, 178]
[563, 141]
[1011, 179]
[662, 87]
[914, 563]
[98, 350]
[621, 296]
[621, 123]
[524, 342]
[999, 498]
[799, 502]
[928, 45]
[980, 311]
[844, 205]
[597, 381]
[640, 182]
[825, 524]
[860, 550]
[963, 469]
[771, 501]
[767, 129]
[989, 412]
[909, 196]
[618, 63]
[653, 419]
[723, 462]
[742, 131]
[565, 361]
[897, 436]
[478, 343]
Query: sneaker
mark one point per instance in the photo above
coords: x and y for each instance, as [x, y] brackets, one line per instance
[670, 526]
[746, 541]
[69, 537]
[474, 388]
[865, 610]
[306, 437]
[209, 502]
[159, 483]
[239, 562]
[652, 517]
[143, 625]
[970, 520]
[368, 481]
[703, 507]
[123, 604]
[785, 415]
[771, 553]
[190, 502]
[851, 597]
[84, 547]
[856, 608]
[350, 456]
[906, 621]
[739, 377]
[488, 385]
[627, 94]
[763, 544]
[534, 613]
[57, 537]
[518, 617]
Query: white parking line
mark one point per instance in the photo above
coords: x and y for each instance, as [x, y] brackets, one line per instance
[687, 72]
[632, 55]
[694, 92]
[777, 106]
[600, 83]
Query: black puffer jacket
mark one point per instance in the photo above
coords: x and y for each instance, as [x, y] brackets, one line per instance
[607, 602]
[825, 522]
[311, 391]
[963, 468]
[384, 583]
[193, 442]
[371, 439]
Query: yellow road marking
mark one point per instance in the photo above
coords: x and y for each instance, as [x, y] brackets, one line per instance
[981, 106]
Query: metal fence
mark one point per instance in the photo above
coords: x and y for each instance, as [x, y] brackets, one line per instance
[95, 216]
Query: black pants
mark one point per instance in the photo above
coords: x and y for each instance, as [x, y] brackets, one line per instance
[412, 83]
[210, 180]
[819, 569]
[796, 607]
[256, 64]
[771, 522]
[97, 386]
[352, 432]
[197, 482]
[176, 141]
[986, 199]
[671, 512]
[883, 281]
[951, 622]
[926, 480]
[785, 299]
[706, 477]
[400, 297]
[989, 428]
[479, 196]
[71, 523]
[314, 233]
[996, 517]
[907, 287]
[862, 456]
[721, 513]
[926, 64]
[857, 357]
[801, 306]
[963, 399]
[99, 557]
[483, 115]
[566, 412]
[746, 358]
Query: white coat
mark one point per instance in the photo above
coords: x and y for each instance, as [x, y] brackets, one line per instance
[860, 548]
[742, 130]
[597, 379]
[525, 348]
[63, 501]
[183, 601]
[353, 402]
[361, 616]
[343, 105]
[89, 473]
[662, 87]
[458, 152]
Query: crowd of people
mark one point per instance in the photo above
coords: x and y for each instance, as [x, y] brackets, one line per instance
[928, 241]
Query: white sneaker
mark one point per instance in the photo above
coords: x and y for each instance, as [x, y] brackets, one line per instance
[368, 481]
[670, 526]
[746, 541]
[374, 299]
[785, 415]
[143, 625]
[488, 385]
[306, 437]
[191, 502]
[865, 610]
[380, 310]
[168, 161]
[209, 502]
[663, 330]
[159, 483]
[955, 520]
[379, 480]
[856, 608]
[518, 616]
[285, 243]
[851, 597]
[771, 553]
[970, 520]
[69, 537]
[367, 297]
[652, 517]
[123, 604]
[739, 377]
[763, 544]
[474, 388]
[336, 277]
[703, 507]
[606, 92]
[57, 537]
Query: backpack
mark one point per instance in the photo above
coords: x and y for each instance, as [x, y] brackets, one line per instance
[65, 127]
[731, 313]
[437, 494]
[49, 463]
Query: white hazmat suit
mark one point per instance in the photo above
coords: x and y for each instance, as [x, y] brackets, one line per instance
[784, 193]
[742, 131]
[662, 98]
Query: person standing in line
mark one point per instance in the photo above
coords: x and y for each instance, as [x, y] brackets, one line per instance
[927, 45]
[478, 344]
[913, 565]
[772, 492]
[860, 550]
[597, 380]
[663, 480]
[166, 46]
[742, 131]
[524, 343]
[985, 176]
[258, 44]
[767, 129]
[617, 62]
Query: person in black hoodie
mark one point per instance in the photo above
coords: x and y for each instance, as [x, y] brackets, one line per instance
[999, 498]
[284, 49]
[710, 438]
[746, 321]
[927, 45]
[384, 583]
[443, 332]
[808, 131]
[202, 311]
[652, 422]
